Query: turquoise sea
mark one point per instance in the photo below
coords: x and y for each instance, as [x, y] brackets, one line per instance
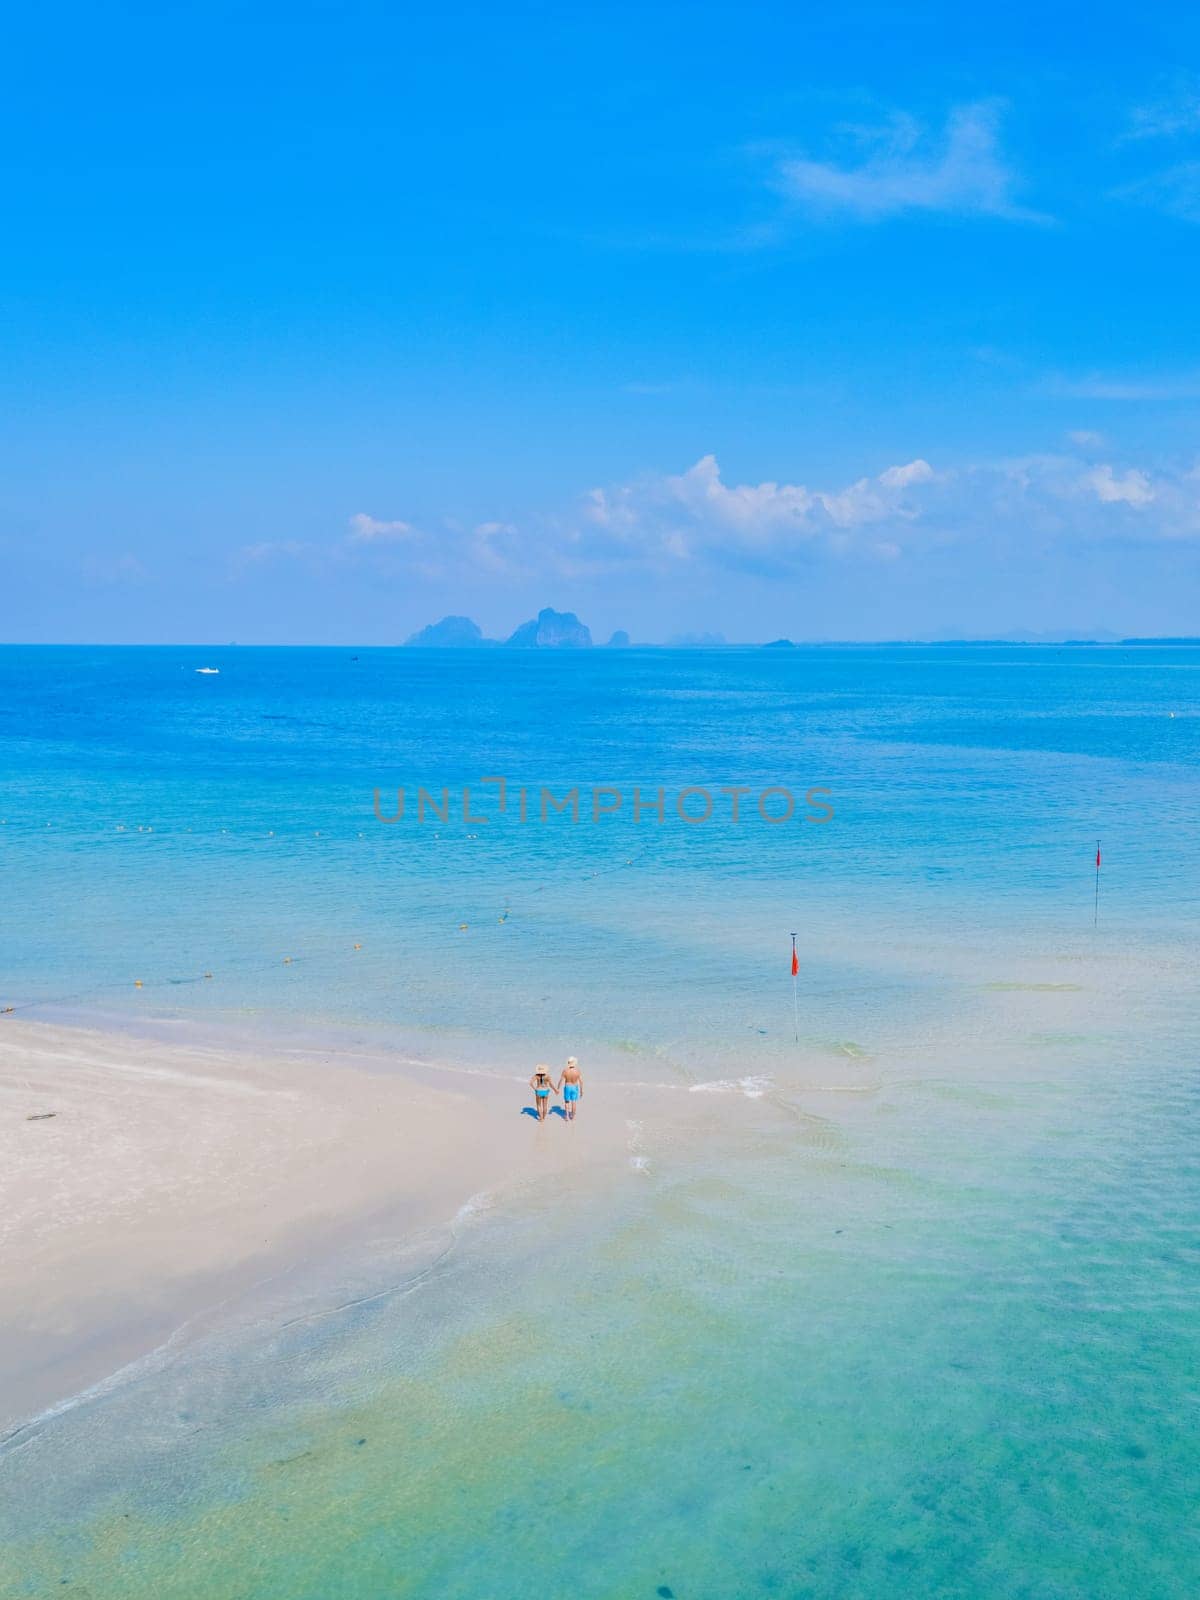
[904, 1305]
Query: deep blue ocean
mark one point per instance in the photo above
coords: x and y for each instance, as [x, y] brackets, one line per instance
[914, 1314]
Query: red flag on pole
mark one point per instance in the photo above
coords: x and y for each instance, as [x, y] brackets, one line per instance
[795, 993]
[1097, 858]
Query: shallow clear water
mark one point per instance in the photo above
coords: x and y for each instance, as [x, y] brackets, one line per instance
[906, 1307]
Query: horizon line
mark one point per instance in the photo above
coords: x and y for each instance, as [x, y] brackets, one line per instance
[1042, 642]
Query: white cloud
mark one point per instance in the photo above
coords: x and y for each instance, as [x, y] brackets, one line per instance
[1134, 489]
[1085, 438]
[1176, 113]
[495, 547]
[1066, 498]
[370, 530]
[696, 516]
[1176, 116]
[269, 550]
[655, 528]
[1097, 386]
[660, 523]
[917, 471]
[751, 509]
[1175, 190]
[757, 510]
[962, 172]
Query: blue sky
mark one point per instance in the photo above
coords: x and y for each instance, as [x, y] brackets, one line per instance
[321, 321]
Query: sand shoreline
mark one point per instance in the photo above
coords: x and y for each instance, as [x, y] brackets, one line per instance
[174, 1178]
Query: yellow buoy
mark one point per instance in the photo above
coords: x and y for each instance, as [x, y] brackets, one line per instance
[137, 983]
[462, 926]
[358, 947]
[287, 961]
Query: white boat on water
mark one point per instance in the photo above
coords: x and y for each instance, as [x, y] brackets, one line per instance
[209, 671]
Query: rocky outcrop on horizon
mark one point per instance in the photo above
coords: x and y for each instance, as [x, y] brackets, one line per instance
[620, 640]
[451, 633]
[552, 630]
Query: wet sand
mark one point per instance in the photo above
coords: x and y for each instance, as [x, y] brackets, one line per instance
[145, 1184]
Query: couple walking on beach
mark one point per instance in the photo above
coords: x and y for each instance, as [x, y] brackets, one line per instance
[570, 1083]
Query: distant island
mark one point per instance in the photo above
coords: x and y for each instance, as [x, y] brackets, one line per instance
[549, 630]
[562, 630]
[451, 633]
[552, 630]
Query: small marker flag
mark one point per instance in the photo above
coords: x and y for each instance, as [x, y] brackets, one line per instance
[795, 993]
[1096, 901]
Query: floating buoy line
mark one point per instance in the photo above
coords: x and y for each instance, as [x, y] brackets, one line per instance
[169, 982]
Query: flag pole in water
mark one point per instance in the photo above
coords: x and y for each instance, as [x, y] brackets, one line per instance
[795, 996]
[1096, 907]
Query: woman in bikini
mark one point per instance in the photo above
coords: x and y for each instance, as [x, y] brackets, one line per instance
[541, 1086]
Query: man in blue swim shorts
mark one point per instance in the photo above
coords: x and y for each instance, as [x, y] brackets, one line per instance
[571, 1084]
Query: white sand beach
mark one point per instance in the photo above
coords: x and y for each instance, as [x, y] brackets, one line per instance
[144, 1183]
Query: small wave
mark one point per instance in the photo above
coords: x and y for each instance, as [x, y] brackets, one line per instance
[474, 1206]
[633, 1144]
[752, 1088]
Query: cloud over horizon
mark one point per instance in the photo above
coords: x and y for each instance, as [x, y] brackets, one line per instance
[371, 530]
[900, 167]
[696, 515]
[696, 521]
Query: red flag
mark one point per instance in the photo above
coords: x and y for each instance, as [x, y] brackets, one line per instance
[1097, 858]
[795, 962]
